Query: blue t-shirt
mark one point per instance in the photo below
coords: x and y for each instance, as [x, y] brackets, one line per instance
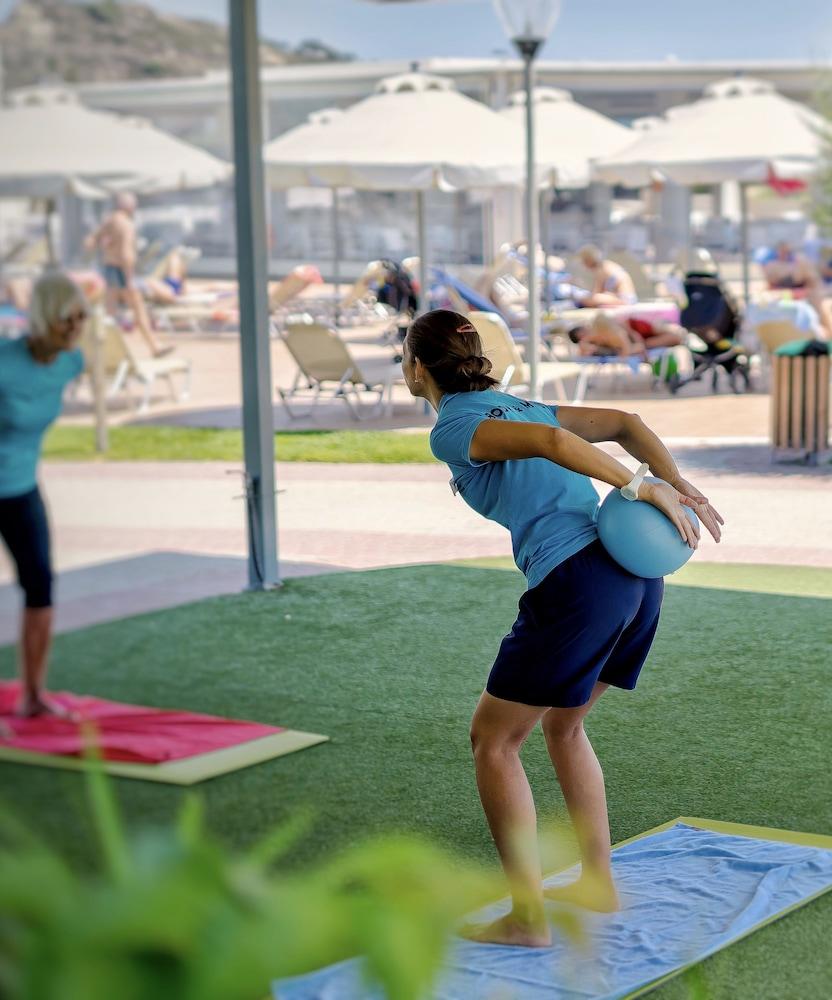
[550, 511]
[30, 400]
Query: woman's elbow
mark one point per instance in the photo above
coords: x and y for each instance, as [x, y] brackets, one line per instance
[629, 426]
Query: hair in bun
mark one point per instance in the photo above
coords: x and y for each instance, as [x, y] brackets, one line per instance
[449, 346]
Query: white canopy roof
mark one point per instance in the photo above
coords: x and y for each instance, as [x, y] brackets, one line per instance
[415, 133]
[740, 130]
[567, 135]
[53, 145]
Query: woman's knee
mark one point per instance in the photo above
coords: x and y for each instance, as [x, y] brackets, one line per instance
[559, 729]
[487, 741]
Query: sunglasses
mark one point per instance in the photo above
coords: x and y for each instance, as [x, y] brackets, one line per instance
[76, 317]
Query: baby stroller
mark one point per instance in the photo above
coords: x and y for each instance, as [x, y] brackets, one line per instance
[712, 314]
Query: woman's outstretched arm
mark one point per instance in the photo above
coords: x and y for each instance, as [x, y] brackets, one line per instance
[636, 438]
[500, 441]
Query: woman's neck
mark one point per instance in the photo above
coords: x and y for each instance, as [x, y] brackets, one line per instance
[42, 351]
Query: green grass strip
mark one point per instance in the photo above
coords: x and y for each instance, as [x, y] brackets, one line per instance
[197, 444]
[797, 581]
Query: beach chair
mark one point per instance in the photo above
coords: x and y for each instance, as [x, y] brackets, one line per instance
[773, 334]
[327, 365]
[122, 367]
[499, 347]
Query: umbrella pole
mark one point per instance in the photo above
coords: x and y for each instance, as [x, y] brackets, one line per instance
[336, 253]
[50, 242]
[746, 282]
[421, 215]
[533, 348]
[99, 392]
[545, 217]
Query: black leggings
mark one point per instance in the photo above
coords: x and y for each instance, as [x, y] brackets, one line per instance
[25, 530]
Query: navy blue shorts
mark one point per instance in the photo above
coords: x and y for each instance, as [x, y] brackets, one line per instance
[588, 621]
[25, 530]
[115, 277]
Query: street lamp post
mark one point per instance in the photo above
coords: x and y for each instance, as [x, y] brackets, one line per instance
[528, 23]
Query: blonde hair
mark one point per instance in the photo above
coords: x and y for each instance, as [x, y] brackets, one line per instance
[54, 297]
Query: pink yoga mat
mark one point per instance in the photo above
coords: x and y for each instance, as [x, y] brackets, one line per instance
[124, 732]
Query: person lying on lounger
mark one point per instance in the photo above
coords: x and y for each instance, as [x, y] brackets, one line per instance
[607, 335]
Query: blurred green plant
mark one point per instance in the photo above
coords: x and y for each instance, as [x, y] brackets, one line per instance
[171, 914]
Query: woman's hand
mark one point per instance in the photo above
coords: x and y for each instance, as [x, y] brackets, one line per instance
[710, 517]
[670, 502]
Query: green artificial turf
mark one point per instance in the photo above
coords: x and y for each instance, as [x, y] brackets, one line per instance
[730, 721]
[192, 444]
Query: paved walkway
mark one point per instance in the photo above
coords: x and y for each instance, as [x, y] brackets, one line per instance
[132, 537]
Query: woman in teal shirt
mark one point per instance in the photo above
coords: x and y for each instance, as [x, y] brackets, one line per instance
[34, 371]
[584, 623]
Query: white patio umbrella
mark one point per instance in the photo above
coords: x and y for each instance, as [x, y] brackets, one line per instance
[53, 145]
[60, 145]
[568, 135]
[740, 130]
[416, 133]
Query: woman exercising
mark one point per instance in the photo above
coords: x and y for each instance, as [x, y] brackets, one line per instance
[34, 371]
[584, 623]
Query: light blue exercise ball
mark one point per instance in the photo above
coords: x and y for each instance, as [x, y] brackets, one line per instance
[640, 537]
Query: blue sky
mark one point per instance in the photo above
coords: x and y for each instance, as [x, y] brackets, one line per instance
[588, 29]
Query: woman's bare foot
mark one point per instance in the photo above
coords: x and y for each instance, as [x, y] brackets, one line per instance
[163, 352]
[36, 706]
[589, 892]
[510, 930]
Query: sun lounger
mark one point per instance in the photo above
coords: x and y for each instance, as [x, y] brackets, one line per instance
[122, 366]
[504, 355]
[326, 364]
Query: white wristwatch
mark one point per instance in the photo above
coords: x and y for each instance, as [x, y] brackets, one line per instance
[630, 491]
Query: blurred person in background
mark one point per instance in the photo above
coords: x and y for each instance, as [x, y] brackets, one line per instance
[791, 271]
[116, 239]
[34, 371]
[611, 285]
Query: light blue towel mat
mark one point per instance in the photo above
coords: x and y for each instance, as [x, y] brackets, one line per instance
[688, 889]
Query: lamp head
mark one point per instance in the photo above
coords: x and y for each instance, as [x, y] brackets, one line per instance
[528, 23]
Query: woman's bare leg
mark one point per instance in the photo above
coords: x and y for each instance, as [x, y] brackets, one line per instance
[582, 783]
[35, 640]
[498, 731]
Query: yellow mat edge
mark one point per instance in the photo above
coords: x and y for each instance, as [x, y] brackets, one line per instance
[188, 771]
[505, 564]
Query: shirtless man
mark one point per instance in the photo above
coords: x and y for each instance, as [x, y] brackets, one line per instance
[116, 237]
[611, 285]
[625, 337]
[790, 270]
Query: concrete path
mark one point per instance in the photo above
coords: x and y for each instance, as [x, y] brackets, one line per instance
[133, 537]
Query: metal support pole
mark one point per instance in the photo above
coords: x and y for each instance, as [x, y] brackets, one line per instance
[746, 281]
[533, 350]
[424, 276]
[252, 255]
[336, 253]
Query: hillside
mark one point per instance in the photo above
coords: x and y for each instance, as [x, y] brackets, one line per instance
[49, 40]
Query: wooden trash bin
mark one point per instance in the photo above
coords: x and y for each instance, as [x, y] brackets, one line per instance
[800, 406]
